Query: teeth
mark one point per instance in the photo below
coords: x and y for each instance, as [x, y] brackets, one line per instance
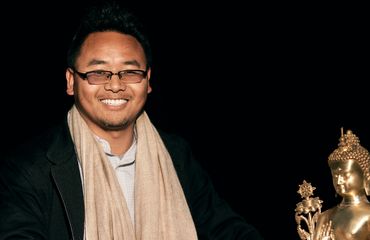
[114, 102]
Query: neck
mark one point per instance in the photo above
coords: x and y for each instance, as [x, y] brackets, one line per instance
[119, 141]
[354, 200]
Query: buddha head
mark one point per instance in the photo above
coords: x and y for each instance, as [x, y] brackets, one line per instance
[349, 164]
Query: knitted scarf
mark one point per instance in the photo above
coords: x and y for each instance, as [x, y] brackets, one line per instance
[161, 210]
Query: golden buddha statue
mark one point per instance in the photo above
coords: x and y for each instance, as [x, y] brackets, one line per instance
[350, 219]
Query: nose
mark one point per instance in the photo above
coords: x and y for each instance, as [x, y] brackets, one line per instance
[115, 84]
[340, 180]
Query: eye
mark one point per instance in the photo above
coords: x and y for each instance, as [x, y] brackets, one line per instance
[98, 73]
[132, 72]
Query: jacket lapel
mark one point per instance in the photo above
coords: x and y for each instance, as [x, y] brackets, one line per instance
[66, 174]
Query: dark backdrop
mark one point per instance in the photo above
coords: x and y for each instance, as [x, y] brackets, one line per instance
[260, 91]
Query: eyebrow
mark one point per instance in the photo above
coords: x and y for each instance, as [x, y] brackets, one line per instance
[97, 62]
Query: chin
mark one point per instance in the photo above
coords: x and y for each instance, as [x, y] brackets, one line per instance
[114, 126]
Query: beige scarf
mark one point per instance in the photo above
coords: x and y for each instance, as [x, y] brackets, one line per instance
[161, 211]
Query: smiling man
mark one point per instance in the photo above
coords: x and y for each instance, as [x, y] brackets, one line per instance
[110, 102]
[106, 172]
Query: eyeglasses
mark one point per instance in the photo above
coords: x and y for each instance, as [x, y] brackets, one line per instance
[99, 77]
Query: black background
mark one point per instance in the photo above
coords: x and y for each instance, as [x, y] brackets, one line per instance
[259, 90]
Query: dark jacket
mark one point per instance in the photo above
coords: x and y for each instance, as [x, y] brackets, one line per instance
[41, 192]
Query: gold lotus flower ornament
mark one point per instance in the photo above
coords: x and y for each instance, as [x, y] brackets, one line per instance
[308, 210]
[305, 189]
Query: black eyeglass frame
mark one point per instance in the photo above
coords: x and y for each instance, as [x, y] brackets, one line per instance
[109, 74]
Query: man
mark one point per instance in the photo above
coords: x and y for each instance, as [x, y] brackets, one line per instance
[106, 172]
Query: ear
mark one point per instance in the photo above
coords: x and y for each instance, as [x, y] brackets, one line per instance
[367, 185]
[70, 81]
[149, 90]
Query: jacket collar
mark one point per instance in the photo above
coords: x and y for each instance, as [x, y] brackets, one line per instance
[61, 146]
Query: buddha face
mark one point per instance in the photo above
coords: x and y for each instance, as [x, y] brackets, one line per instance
[348, 179]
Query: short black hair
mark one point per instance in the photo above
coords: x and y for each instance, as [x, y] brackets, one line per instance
[102, 16]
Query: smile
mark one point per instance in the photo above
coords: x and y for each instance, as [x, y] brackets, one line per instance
[114, 102]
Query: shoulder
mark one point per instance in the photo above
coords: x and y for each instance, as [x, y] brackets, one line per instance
[24, 153]
[327, 213]
[174, 142]
[180, 151]
[25, 164]
[178, 148]
[32, 152]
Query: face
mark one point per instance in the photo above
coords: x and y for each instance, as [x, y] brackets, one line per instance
[348, 177]
[113, 106]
